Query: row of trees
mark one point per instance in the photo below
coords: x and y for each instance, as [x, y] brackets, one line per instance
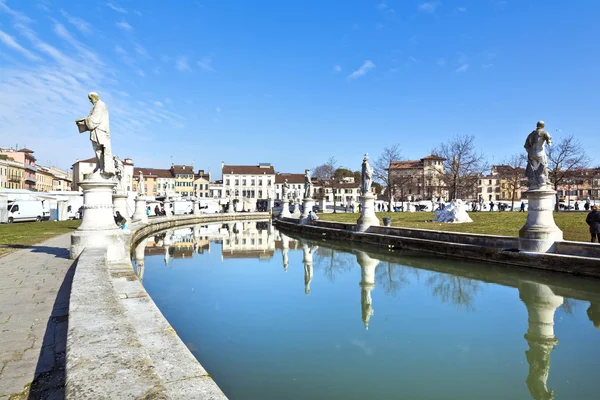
[464, 166]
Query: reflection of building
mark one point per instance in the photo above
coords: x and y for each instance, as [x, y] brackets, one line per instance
[249, 239]
[541, 305]
[367, 284]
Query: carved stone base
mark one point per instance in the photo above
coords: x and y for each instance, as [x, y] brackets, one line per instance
[296, 210]
[285, 209]
[98, 228]
[540, 232]
[307, 206]
[139, 214]
[367, 213]
[120, 204]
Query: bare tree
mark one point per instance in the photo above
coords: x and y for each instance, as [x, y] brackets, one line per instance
[463, 165]
[383, 173]
[513, 170]
[563, 158]
[324, 175]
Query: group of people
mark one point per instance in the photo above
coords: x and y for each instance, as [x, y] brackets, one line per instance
[160, 211]
[593, 220]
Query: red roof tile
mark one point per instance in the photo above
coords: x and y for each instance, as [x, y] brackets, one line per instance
[247, 170]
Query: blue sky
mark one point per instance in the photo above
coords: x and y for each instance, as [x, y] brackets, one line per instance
[293, 83]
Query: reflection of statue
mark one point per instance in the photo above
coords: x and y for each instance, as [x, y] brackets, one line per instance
[366, 176]
[541, 305]
[537, 162]
[593, 313]
[307, 260]
[97, 124]
[368, 266]
[285, 188]
[119, 175]
[307, 185]
[140, 185]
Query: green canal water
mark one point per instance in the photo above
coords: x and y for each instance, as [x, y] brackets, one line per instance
[275, 316]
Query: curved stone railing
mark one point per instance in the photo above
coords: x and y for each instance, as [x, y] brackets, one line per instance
[119, 344]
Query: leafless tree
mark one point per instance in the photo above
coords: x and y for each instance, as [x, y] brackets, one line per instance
[463, 165]
[383, 173]
[392, 277]
[513, 170]
[455, 289]
[332, 262]
[564, 157]
[323, 175]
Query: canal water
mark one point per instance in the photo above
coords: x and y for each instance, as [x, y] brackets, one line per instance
[276, 316]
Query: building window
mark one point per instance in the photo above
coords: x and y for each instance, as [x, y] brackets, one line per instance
[227, 182]
[253, 182]
[237, 182]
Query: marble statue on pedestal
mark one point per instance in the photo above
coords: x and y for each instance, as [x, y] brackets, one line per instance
[537, 161]
[97, 124]
[119, 176]
[140, 186]
[366, 176]
[285, 189]
[308, 186]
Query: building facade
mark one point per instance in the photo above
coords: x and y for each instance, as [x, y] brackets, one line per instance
[27, 160]
[184, 179]
[296, 182]
[499, 184]
[249, 184]
[83, 167]
[44, 178]
[202, 185]
[419, 179]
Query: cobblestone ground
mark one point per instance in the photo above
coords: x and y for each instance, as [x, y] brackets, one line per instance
[35, 284]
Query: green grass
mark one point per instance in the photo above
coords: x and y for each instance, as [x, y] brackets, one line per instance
[28, 233]
[490, 223]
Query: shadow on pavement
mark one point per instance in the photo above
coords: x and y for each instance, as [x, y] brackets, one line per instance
[50, 375]
[59, 252]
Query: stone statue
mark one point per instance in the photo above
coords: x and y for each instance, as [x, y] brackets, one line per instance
[537, 162]
[366, 176]
[308, 186]
[98, 125]
[285, 188]
[140, 185]
[119, 175]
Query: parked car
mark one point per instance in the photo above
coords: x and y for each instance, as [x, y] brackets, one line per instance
[25, 210]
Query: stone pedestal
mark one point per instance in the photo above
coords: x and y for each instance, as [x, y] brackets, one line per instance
[196, 207]
[307, 260]
[296, 210]
[323, 205]
[139, 259]
[120, 204]
[271, 203]
[139, 214]
[231, 207]
[367, 284]
[98, 228]
[540, 231]
[367, 213]
[285, 209]
[307, 206]
[285, 246]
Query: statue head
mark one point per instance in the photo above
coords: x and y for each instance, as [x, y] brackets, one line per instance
[93, 97]
[307, 171]
[541, 124]
[285, 180]
[366, 158]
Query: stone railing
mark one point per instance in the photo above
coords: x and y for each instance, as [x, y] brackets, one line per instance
[119, 344]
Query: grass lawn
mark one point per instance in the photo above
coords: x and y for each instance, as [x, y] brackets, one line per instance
[491, 223]
[28, 233]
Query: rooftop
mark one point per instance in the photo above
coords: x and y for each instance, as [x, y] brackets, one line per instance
[291, 178]
[248, 169]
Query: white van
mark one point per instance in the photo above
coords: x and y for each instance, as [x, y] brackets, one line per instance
[25, 210]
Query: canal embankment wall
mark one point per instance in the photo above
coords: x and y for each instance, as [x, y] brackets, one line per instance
[576, 258]
[119, 344]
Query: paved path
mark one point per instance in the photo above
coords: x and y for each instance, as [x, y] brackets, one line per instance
[35, 284]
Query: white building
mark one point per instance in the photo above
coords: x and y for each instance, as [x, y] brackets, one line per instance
[84, 167]
[296, 182]
[249, 184]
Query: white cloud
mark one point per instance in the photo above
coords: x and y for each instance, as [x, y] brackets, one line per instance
[140, 50]
[382, 6]
[429, 7]
[413, 59]
[168, 100]
[116, 8]
[10, 41]
[205, 64]
[463, 68]
[364, 68]
[441, 62]
[138, 13]
[487, 66]
[462, 9]
[120, 50]
[81, 25]
[337, 68]
[124, 26]
[218, 109]
[158, 104]
[17, 16]
[182, 64]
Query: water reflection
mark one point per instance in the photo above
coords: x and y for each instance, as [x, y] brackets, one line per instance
[448, 281]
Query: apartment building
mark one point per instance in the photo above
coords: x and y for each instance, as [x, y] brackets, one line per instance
[202, 184]
[184, 179]
[296, 182]
[250, 184]
[419, 179]
[25, 158]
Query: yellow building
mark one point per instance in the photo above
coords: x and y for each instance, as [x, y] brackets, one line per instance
[15, 175]
[184, 179]
[201, 182]
[43, 179]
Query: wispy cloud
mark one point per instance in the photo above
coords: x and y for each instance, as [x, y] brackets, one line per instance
[218, 109]
[81, 25]
[337, 68]
[138, 13]
[10, 41]
[441, 62]
[158, 104]
[487, 66]
[364, 68]
[116, 8]
[124, 26]
[205, 64]
[463, 62]
[17, 16]
[462, 9]
[182, 64]
[429, 7]
[463, 68]
[141, 51]
[413, 59]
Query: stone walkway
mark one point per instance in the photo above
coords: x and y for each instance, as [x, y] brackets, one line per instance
[35, 285]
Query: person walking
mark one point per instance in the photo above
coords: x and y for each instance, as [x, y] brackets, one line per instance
[491, 206]
[593, 220]
[522, 206]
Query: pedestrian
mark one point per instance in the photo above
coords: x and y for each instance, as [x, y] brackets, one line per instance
[120, 220]
[593, 220]
[586, 206]
[522, 206]
[148, 211]
[576, 206]
[156, 210]
[491, 206]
